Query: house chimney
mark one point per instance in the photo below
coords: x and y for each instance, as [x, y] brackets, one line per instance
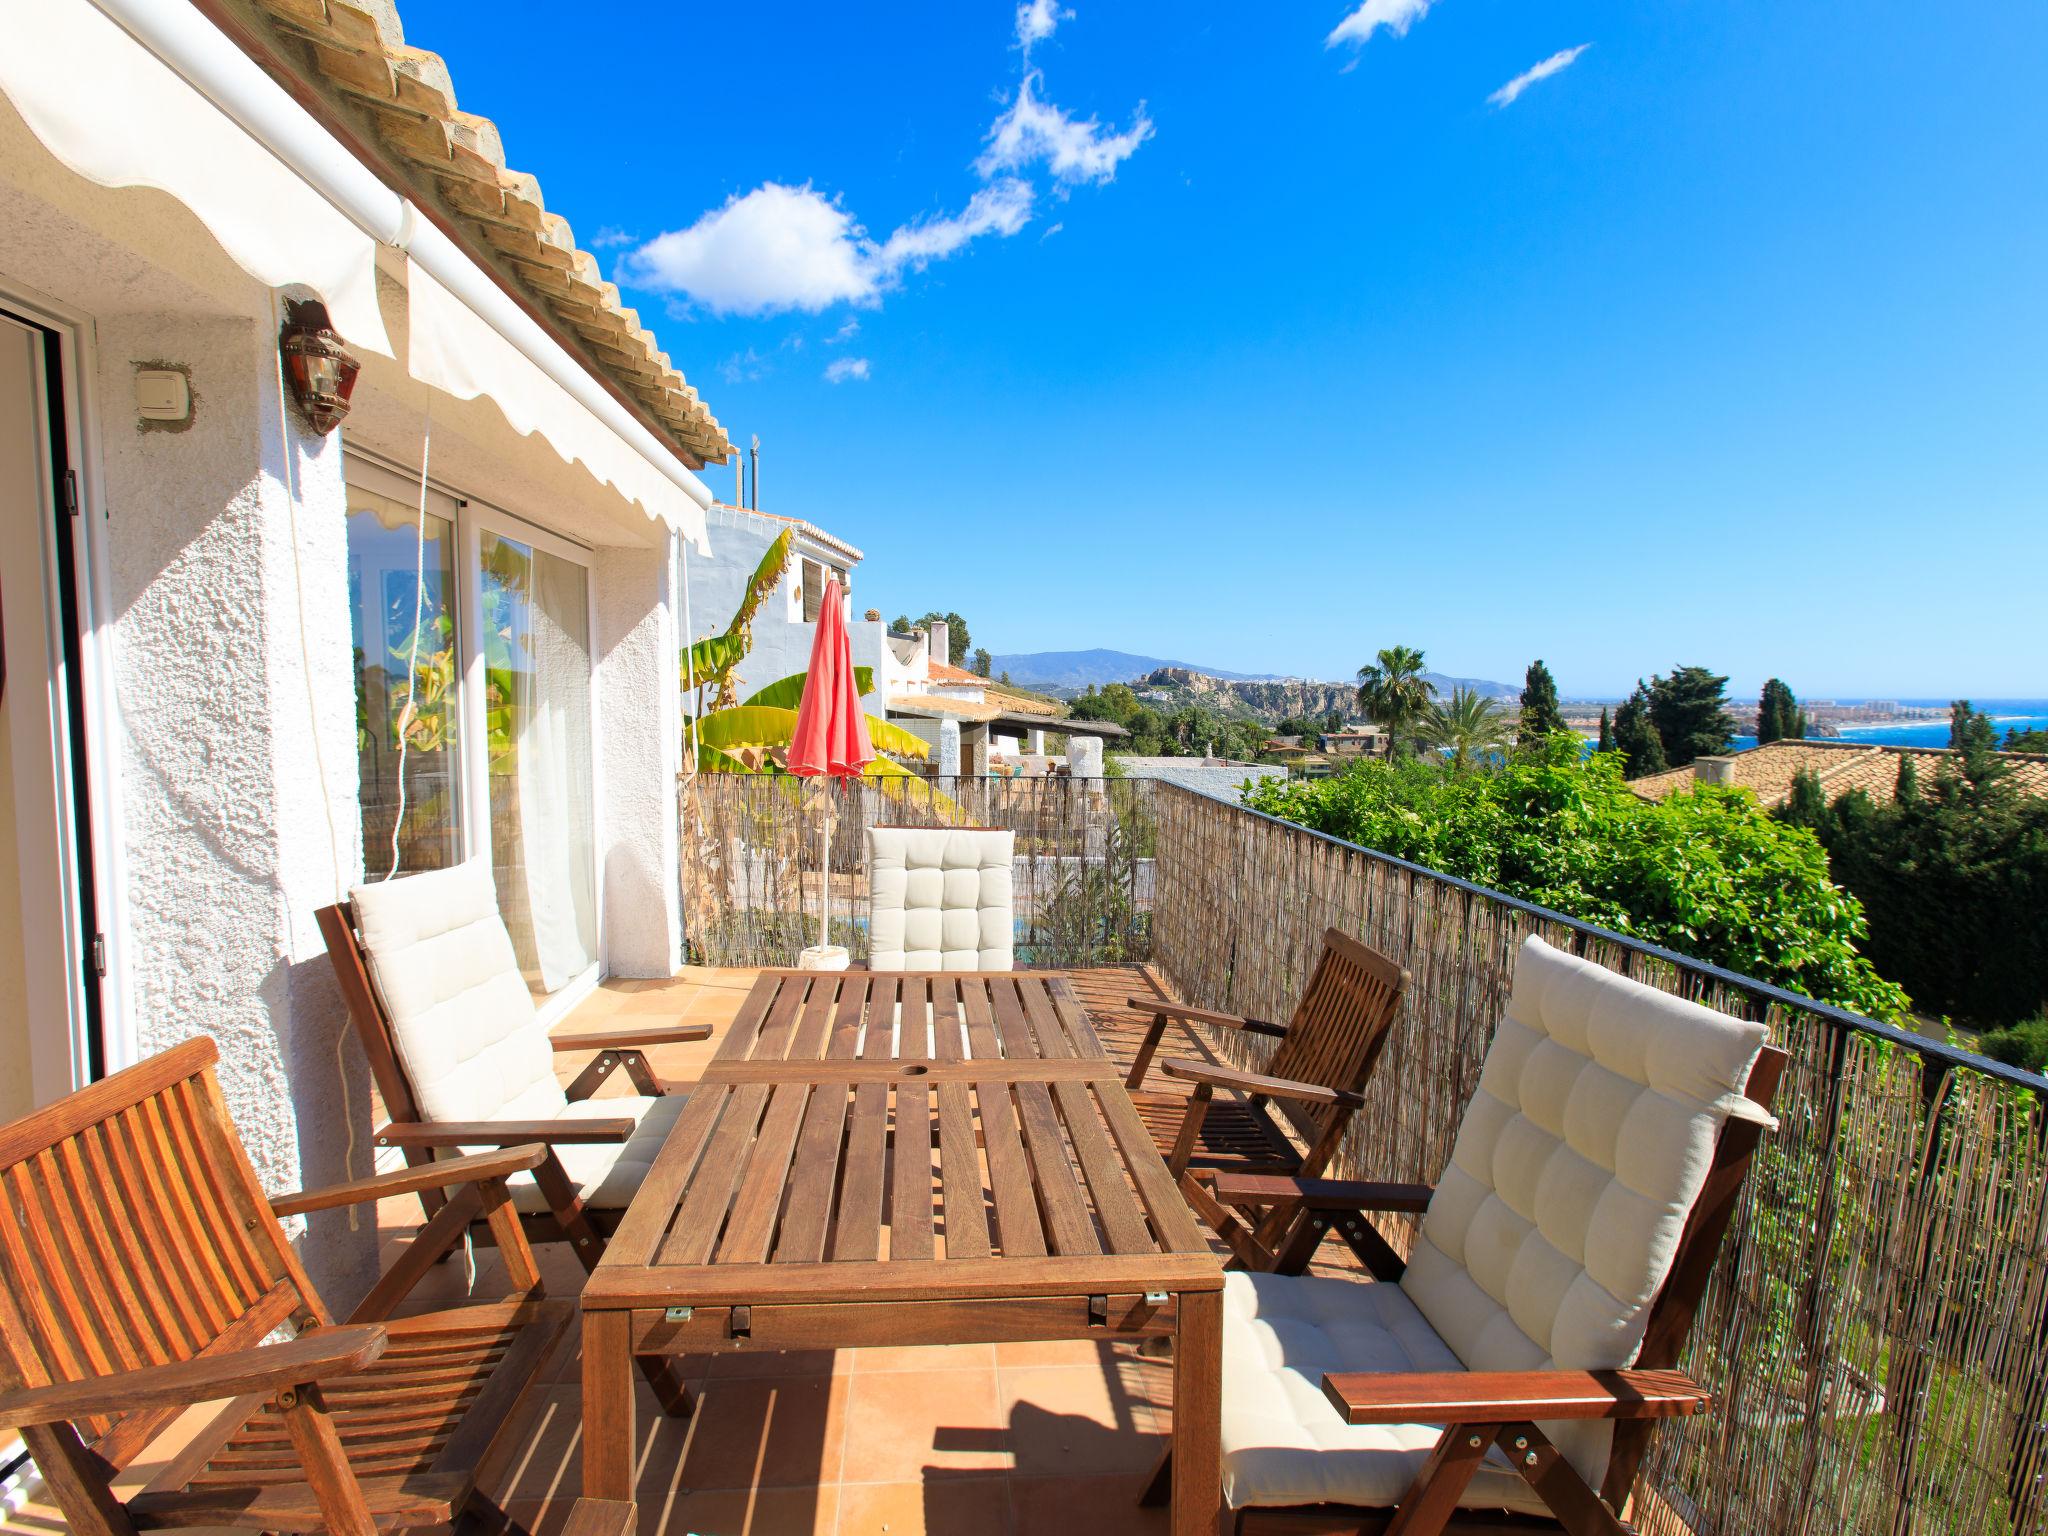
[739, 480]
[754, 463]
[941, 642]
[1713, 770]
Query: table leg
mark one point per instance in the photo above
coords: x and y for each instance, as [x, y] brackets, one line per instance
[608, 1434]
[1197, 1414]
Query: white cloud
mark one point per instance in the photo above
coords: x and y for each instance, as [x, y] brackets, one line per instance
[1032, 129]
[780, 248]
[608, 235]
[1560, 60]
[840, 369]
[1397, 16]
[744, 367]
[845, 332]
[1001, 208]
[1036, 20]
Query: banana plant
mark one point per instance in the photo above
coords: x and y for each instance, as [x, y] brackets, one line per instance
[713, 662]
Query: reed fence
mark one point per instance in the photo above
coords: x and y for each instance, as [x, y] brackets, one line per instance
[1875, 1329]
[1875, 1332]
[753, 867]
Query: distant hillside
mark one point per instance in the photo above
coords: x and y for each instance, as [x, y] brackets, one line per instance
[1077, 669]
[1479, 685]
[1269, 699]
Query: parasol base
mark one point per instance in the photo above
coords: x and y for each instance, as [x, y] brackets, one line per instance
[823, 957]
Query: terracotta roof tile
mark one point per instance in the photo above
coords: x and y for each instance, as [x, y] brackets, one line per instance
[1841, 766]
[355, 51]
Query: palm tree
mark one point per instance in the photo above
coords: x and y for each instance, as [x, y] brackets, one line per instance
[1393, 692]
[1471, 726]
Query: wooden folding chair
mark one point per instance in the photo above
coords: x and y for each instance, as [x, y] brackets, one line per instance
[1316, 1079]
[428, 972]
[1417, 1403]
[144, 1270]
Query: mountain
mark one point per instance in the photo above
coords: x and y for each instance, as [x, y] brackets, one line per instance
[1077, 669]
[1479, 685]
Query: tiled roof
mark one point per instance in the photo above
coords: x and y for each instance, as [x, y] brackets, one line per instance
[1018, 704]
[809, 530]
[1841, 766]
[936, 704]
[353, 51]
[946, 672]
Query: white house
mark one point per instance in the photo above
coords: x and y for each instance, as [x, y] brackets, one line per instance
[251, 663]
[787, 623]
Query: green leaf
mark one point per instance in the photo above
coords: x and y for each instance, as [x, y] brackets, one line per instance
[747, 726]
[788, 692]
[712, 658]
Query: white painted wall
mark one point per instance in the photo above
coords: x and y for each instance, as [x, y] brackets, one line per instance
[639, 755]
[232, 653]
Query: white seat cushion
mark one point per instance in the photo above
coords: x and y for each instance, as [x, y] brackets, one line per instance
[941, 899]
[1283, 1443]
[607, 1175]
[1576, 1165]
[461, 1015]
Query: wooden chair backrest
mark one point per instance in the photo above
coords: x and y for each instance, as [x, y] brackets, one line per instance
[366, 1009]
[133, 1233]
[1341, 1022]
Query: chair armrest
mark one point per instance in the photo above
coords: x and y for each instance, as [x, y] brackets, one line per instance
[1253, 1082]
[410, 1181]
[266, 1368]
[1321, 1194]
[631, 1039]
[506, 1133]
[1160, 1008]
[1496, 1397]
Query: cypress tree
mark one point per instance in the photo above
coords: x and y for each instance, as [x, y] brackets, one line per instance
[1636, 736]
[1907, 790]
[1807, 805]
[1541, 716]
[1778, 715]
[1606, 731]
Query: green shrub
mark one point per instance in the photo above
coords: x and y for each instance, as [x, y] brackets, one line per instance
[1707, 873]
[2023, 1045]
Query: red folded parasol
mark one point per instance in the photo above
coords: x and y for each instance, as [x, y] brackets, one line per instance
[831, 737]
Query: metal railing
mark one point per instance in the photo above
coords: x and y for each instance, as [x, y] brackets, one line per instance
[1875, 1331]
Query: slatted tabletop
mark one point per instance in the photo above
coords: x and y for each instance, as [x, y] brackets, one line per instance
[868, 1133]
[906, 1158]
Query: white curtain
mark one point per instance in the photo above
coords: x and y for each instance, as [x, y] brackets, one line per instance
[554, 774]
[119, 116]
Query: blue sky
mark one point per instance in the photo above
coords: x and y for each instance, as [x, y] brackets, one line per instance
[1267, 336]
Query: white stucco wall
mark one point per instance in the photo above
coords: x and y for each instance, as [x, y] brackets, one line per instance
[238, 778]
[738, 541]
[639, 754]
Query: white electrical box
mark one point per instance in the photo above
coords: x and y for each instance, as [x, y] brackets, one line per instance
[161, 394]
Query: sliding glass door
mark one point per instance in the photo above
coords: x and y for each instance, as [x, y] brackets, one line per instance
[474, 710]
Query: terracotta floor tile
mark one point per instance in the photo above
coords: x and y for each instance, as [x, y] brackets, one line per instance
[1075, 1420]
[767, 1432]
[936, 1506]
[779, 1362]
[1066, 1506]
[905, 1425]
[550, 1462]
[1054, 1352]
[923, 1357]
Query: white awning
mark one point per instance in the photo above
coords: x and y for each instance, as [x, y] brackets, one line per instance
[117, 115]
[451, 348]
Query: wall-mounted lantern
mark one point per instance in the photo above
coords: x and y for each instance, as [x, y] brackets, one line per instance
[322, 370]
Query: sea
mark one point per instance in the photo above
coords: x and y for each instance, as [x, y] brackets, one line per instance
[2006, 715]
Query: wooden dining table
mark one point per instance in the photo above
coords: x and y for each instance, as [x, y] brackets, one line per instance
[891, 1158]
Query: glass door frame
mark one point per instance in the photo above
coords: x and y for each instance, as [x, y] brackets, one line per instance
[472, 519]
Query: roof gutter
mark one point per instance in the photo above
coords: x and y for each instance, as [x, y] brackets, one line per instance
[194, 48]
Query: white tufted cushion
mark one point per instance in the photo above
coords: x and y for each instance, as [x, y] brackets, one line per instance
[467, 1034]
[940, 899]
[1282, 1441]
[1550, 1234]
